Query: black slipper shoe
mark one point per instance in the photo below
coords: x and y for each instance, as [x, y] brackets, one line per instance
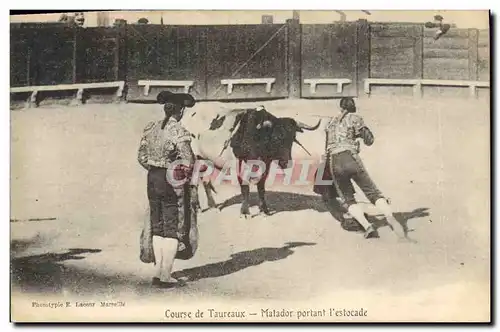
[168, 284]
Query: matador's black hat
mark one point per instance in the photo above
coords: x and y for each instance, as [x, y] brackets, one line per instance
[182, 99]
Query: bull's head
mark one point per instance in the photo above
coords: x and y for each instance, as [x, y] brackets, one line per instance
[277, 135]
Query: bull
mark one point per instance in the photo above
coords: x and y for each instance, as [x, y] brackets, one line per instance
[246, 135]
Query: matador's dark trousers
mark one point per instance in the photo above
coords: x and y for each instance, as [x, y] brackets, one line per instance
[347, 166]
[163, 204]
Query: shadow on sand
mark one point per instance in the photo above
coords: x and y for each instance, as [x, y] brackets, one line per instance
[280, 201]
[20, 245]
[284, 201]
[46, 273]
[240, 261]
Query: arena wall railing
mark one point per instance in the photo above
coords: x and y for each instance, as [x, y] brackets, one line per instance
[245, 62]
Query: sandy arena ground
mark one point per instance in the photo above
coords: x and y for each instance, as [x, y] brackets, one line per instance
[78, 165]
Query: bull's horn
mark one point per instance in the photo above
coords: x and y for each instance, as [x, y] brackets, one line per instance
[307, 127]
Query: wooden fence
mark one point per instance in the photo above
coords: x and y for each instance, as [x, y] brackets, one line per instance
[246, 61]
[166, 53]
[329, 51]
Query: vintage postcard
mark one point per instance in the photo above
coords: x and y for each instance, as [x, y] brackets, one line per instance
[250, 166]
